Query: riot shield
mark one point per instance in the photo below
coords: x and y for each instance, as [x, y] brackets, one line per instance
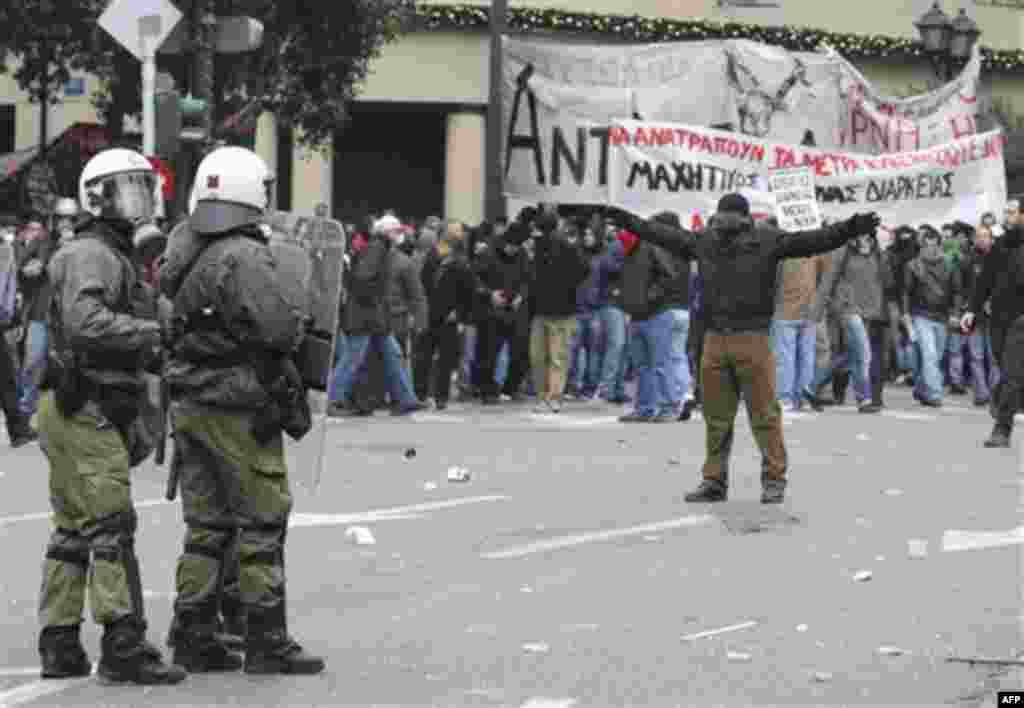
[310, 253]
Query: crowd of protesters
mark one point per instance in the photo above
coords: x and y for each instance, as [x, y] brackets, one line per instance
[555, 307]
[571, 308]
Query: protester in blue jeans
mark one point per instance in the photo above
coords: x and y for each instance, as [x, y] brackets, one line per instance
[677, 296]
[369, 323]
[585, 349]
[647, 272]
[794, 331]
[931, 301]
[984, 367]
[612, 386]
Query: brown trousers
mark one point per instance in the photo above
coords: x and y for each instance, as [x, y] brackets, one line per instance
[735, 365]
[549, 354]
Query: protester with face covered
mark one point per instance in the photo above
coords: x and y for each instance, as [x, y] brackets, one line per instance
[614, 329]
[558, 269]
[739, 264]
[37, 245]
[1000, 283]
[903, 249]
[504, 271]
[855, 291]
[585, 350]
[931, 302]
[984, 367]
[953, 250]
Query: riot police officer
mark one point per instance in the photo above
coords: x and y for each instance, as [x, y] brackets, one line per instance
[235, 388]
[92, 427]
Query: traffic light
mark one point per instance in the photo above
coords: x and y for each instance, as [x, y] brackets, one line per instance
[168, 123]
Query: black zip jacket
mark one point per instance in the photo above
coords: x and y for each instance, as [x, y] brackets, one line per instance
[450, 286]
[1002, 280]
[647, 274]
[739, 264]
[559, 268]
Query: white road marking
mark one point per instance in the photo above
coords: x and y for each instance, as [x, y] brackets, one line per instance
[45, 515]
[392, 514]
[574, 421]
[554, 544]
[550, 703]
[20, 671]
[437, 418]
[954, 540]
[720, 630]
[37, 689]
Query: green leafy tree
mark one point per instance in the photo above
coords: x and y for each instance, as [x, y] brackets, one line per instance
[314, 57]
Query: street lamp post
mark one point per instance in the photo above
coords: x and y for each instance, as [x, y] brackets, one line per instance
[495, 193]
[948, 43]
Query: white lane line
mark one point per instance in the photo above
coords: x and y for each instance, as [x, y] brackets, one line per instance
[436, 418]
[720, 630]
[45, 515]
[398, 512]
[954, 540]
[554, 544]
[20, 671]
[37, 689]
[572, 421]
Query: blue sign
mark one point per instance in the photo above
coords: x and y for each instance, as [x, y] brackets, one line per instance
[75, 87]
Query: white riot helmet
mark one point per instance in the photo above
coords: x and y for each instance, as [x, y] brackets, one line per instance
[231, 189]
[119, 185]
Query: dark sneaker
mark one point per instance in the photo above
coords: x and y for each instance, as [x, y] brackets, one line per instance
[62, 655]
[288, 658]
[665, 417]
[409, 409]
[957, 389]
[708, 491]
[440, 405]
[635, 418]
[773, 494]
[1000, 437]
[814, 402]
[620, 399]
[981, 402]
[24, 438]
[687, 412]
[206, 657]
[556, 406]
[868, 407]
[490, 400]
[929, 403]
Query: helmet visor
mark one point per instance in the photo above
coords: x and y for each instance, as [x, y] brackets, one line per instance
[130, 196]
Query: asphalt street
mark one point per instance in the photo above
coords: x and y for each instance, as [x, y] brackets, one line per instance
[568, 570]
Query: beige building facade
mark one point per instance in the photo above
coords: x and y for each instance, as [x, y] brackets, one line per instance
[444, 75]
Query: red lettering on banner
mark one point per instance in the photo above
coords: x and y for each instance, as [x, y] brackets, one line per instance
[640, 137]
[618, 136]
[665, 136]
[720, 145]
[784, 157]
[859, 124]
[705, 144]
[963, 126]
[906, 128]
[697, 222]
[758, 153]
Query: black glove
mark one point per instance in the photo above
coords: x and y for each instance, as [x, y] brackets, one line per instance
[862, 224]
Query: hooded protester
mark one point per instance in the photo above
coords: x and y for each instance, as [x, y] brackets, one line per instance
[931, 302]
[739, 263]
[585, 349]
[855, 290]
[1000, 284]
[677, 294]
[95, 425]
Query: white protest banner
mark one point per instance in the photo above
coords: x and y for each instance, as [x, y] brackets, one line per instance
[796, 203]
[560, 98]
[686, 169]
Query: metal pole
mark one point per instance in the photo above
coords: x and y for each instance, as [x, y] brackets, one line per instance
[149, 104]
[44, 98]
[495, 196]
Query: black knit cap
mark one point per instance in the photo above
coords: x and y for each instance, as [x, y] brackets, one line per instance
[735, 204]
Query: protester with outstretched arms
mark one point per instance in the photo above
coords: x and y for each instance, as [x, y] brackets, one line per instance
[738, 263]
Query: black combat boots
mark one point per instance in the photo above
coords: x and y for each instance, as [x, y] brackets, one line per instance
[269, 649]
[62, 654]
[1000, 436]
[197, 648]
[128, 658]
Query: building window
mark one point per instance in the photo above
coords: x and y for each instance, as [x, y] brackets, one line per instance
[6, 129]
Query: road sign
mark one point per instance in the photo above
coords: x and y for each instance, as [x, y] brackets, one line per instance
[234, 36]
[121, 21]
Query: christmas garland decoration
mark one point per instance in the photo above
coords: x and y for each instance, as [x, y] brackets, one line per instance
[651, 29]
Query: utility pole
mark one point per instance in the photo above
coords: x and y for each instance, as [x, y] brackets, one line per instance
[495, 192]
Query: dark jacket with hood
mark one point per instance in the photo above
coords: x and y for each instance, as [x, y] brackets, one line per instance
[452, 288]
[498, 270]
[36, 290]
[677, 289]
[608, 275]
[903, 249]
[971, 268]
[646, 276]
[559, 268]
[251, 313]
[857, 285]
[933, 287]
[1002, 280]
[588, 294]
[739, 264]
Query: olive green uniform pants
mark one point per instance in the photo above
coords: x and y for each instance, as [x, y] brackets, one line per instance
[234, 492]
[735, 365]
[93, 515]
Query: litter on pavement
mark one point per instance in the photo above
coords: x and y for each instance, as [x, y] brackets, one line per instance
[410, 453]
[360, 535]
[738, 656]
[822, 677]
[984, 660]
[893, 492]
[891, 651]
[429, 486]
[720, 630]
[801, 628]
[862, 576]
[917, 548]
[536, 648]
[458, 474]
